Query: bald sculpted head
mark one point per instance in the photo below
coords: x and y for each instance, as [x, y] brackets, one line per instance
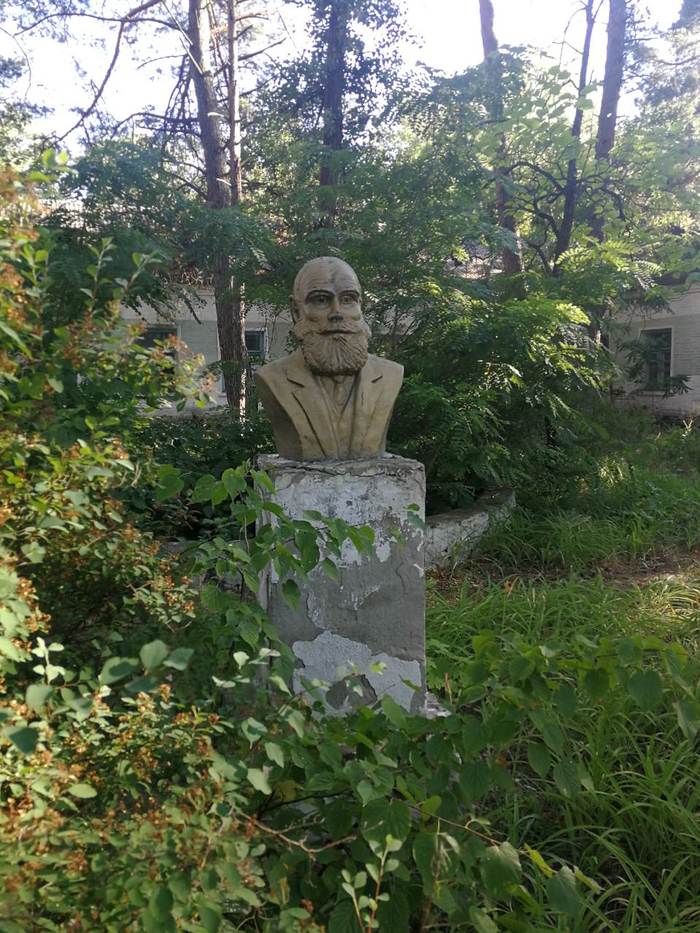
[327, 315]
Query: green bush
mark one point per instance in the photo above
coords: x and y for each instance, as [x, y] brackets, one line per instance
[156, 772]
[193, 443]
[490, 385]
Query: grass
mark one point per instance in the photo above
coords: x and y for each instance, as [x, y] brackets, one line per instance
[616, 557]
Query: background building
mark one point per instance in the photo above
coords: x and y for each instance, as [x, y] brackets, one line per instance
[267, 330]
[672, 350]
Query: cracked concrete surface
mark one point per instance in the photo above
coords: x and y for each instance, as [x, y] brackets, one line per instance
[377, 608]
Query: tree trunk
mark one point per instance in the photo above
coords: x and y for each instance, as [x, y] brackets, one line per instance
[612, 85]
[239, 356]
[230, 312]
[511, 257]
[333, 91]
[571, 188]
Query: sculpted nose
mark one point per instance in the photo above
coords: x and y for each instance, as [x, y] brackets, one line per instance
[334, 313]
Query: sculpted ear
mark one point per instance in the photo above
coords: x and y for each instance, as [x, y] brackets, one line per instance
[293, 307]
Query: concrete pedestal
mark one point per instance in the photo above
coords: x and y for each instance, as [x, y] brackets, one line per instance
[374, 615]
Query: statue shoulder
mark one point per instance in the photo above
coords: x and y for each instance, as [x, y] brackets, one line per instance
[272, 372]
[388, 368]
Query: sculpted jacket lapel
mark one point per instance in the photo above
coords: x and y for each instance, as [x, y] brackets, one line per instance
[317, 424]
[369, 392]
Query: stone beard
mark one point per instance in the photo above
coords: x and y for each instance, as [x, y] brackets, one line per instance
[335, 354]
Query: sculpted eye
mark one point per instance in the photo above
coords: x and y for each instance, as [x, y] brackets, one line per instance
[348, 299]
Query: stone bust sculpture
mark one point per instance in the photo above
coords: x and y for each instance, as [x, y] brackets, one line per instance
[330, 399]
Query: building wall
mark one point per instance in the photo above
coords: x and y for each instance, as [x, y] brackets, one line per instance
[200, 335]
[683, 319]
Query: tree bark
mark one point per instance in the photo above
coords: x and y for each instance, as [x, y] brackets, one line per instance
[571, 188]
[239, 355]
[230, 309]
[612, 86]
[511, 257]
[333, 92]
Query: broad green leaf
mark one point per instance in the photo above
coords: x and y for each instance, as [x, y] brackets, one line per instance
[234, 482]
[425, 855]
[597, 683]
[170, 483]
[37, 695]
[115, 669]
[343, 918]
[24, 738]
[210, 916]
[500, 869]
[330, 568]
[179, 658]
[688, 713]
[34, 552]
[275, 753]
[550, 730]
[295, 719]
[474, 780]
[259, 780]
[84, 791]
[253, 730]
[160, 902]
[203, 488]
[153, 654]
[481, 921]
[381, 818]
[566, 778]
[338, 818]
[393, 915]
[646, 689]
[539, 758]
[218, 493]
[563, 894]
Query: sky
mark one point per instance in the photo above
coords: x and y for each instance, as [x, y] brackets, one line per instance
[447, 33]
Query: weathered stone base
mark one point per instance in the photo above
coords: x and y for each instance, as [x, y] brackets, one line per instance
[371, 622]
[450, 537]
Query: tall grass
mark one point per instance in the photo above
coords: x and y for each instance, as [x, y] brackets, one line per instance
[636, 827]
[622, 514]
[582, 569]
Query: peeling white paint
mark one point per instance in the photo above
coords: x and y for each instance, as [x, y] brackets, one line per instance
[330, 658]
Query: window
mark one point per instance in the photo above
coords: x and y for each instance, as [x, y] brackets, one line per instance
[155, 333]
[657, 354]
[255, 345]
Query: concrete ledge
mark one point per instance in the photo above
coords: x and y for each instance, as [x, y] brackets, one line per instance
[451, 536]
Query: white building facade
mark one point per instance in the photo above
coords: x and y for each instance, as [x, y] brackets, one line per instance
[673, 350]
[267, 330]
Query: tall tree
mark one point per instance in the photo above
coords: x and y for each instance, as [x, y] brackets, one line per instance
[511, 253]
[330, 94]
[612, 86]
[224, 188]
[571, 185]
[334, 84]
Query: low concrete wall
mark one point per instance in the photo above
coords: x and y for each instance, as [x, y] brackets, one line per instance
[451, 536]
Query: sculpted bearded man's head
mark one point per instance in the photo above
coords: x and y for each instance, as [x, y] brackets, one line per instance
[327, 314]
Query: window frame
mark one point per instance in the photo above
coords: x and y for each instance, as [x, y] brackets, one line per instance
[255, 362]
[657, 388]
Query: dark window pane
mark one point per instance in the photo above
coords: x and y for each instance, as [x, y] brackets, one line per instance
[157, 332]
[255, 343]
[658, 357]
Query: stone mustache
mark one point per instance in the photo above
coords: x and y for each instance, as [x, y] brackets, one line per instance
[330, 399]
